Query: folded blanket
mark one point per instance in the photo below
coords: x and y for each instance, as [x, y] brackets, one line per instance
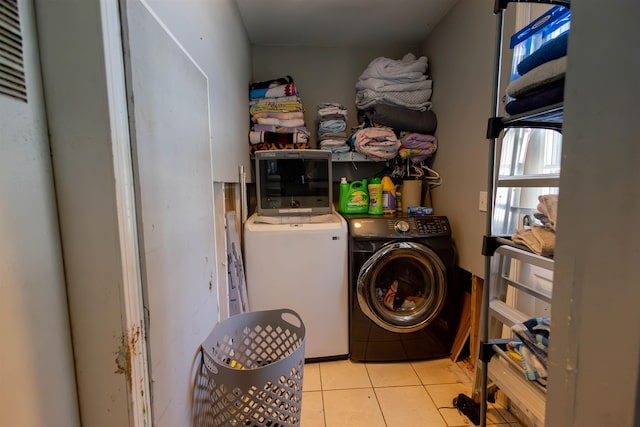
[280, 122]
[277, 99]
[271, 83]
[333, 142]
[263, 107]
[413, 100]
[377, 142]
[382, 85]
[403, 118]
[276, 146]
[331, 109]
[332, 135]
[406, 69]
[278, 115]
[273, 92]
[553, 49]
[538, 77]
[279, 129]
[336, 116]
[335, 148]
[549, 94]
[331, 126]
[420, 146]
[278, 138]
[538, 239]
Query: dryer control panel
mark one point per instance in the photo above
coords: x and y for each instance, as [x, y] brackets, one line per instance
[405, 227]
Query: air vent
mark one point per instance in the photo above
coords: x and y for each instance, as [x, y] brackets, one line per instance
[12, 82]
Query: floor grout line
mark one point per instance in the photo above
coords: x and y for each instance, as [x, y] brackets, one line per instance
[501, 421]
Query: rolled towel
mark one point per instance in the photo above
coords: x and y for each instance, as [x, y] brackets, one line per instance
[405, 119]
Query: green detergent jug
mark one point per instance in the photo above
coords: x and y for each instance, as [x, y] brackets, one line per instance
[354, 197]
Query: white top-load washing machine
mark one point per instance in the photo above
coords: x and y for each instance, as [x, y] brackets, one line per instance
[301, 263]
[296, 247]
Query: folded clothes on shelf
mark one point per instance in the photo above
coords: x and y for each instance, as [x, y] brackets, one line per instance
[534, 346]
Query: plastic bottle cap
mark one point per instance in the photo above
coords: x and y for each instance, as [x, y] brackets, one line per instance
[343, 180]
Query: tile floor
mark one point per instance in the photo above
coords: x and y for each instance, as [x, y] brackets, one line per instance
[412, 394]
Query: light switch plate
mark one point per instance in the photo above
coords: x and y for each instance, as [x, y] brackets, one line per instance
[482, 203]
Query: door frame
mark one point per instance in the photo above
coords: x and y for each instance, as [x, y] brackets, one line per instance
[132, 309]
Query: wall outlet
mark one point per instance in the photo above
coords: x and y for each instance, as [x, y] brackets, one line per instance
[482, 203]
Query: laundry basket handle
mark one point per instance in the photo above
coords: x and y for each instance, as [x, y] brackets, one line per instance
[291, 317]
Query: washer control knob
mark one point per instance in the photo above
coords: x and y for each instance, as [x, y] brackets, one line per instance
[402, 226]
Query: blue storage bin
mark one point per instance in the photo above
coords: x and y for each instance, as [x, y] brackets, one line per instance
[551, 24]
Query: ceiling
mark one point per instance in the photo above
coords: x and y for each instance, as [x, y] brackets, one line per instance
[335, 23]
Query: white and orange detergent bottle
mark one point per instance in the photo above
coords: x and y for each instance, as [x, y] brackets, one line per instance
[388, 195]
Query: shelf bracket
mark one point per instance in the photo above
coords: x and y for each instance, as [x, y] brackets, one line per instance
[489, 245]
[487, 351]
[494, 127]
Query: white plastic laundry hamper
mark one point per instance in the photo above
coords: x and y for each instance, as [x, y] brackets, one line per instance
[253, 369]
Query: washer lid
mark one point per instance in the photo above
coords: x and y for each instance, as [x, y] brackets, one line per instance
[402, 287]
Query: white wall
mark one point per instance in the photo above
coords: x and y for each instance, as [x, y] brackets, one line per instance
[461, 49]
[37, 380]
[595, 340]
[213, 34]
[321, 74]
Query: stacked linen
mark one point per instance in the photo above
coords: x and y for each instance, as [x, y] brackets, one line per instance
[414, 128]
[396, 94]
[332, 126]
[402, 83]
[541, 81]
[277, 116]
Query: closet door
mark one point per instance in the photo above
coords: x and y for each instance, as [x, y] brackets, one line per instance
[169, 114]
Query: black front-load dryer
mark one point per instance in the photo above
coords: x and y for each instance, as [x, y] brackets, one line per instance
[402, 291]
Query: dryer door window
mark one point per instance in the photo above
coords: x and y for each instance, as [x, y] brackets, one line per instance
[402, 287]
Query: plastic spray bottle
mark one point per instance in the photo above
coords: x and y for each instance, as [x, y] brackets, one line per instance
[344, 191]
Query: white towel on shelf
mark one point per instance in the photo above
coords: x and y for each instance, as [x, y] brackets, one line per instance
[407, 69]
[541, 75]
[538, 239]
